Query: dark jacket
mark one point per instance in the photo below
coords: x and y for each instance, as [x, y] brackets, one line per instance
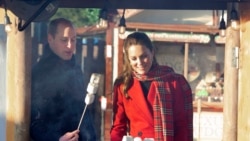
[57, 100]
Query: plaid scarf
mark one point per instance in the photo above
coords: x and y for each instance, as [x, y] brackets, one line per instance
[163, 103]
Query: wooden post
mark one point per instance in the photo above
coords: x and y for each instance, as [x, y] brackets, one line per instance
[230, 84]
[118, 54]
[244, 69]
[186, 53]
[199, 118]
[108, 80]
[18, 83]
[3, 49]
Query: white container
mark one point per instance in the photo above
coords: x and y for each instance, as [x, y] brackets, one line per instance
[148, 139]
[137, 139]
[127, 138]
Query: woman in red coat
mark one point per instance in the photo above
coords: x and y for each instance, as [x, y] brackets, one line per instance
[150, 101]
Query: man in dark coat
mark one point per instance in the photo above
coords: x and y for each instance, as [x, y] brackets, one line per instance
[58, 92]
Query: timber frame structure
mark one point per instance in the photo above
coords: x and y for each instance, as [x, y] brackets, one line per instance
[236, 125]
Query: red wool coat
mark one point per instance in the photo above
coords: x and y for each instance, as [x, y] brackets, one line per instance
[137, 112]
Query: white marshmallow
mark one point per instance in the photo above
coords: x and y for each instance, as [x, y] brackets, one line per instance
[89, 99]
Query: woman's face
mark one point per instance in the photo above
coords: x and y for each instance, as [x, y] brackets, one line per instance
[140, 58]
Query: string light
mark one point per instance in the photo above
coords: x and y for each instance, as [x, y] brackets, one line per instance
[222, 27]
[103, 18]
[122, 24]
[7, 21]
[234, 18]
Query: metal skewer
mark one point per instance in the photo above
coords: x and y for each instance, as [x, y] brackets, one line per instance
[82, 117]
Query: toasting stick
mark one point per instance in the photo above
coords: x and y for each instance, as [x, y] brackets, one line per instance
[91, 89]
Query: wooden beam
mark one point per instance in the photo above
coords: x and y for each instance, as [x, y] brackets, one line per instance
[173, 28]
[149, 4]
[93, 30]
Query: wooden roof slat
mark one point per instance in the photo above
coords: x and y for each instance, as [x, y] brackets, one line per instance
[147, 4]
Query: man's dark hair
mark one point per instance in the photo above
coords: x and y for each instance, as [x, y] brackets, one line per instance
[52, 29]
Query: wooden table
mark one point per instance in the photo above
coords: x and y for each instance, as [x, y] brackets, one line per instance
[208, 106]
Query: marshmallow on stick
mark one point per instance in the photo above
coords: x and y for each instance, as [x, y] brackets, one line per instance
[91, 89]
[89, 99]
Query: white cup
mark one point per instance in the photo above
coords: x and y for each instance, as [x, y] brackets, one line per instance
[148, 139]
[127, 138]
[137, 139]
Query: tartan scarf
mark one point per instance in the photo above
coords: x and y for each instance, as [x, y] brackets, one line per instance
[163, 103]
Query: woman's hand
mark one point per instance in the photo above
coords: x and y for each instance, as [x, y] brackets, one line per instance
[70, 136]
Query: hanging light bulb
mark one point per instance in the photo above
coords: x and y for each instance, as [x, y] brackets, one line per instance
[122, 24]
[103, 18]
[7, 21]
[222, 27]
[234, 18]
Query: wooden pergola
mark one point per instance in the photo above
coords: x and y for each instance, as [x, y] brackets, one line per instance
[236, 114]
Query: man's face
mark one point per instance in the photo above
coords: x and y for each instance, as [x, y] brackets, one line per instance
[64, 42]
